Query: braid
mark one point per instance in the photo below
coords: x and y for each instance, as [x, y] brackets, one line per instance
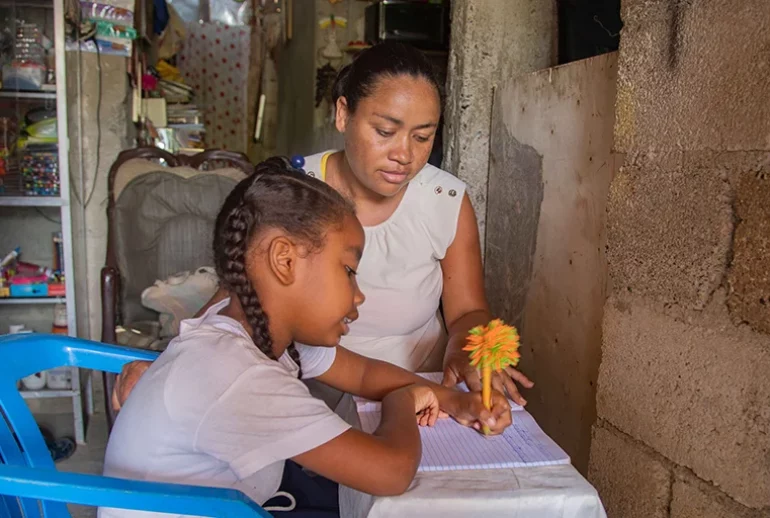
[234, 278]
[278, 196]
[294, 355]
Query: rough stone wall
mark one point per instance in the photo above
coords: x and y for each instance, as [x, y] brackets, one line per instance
[683, 393]
[492, 40]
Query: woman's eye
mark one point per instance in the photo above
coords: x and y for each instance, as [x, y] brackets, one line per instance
[384, 133]
[351, 271]
[420, 138]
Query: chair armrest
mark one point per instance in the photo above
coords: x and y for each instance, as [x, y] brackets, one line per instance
[95, 490]
[110, 282]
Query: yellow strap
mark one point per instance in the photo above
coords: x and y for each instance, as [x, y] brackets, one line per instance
[324, 159]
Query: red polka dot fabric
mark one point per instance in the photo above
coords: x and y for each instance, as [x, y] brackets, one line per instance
[215, 62]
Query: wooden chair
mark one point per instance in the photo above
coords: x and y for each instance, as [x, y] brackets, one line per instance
[161, 213]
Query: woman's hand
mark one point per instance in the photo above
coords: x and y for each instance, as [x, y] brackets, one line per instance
[457, 369]
[126, 381]
[467, 408]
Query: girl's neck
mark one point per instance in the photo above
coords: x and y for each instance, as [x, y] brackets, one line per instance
[235, 311]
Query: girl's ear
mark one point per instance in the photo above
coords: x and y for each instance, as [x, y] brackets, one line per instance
[341, 114]
[282, 255]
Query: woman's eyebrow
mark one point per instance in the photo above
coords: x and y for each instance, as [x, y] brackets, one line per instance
[401, 123]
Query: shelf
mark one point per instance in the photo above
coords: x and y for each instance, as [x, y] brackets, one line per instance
[30, 201]
[35, 4]
[14, 94]
[46, 393]
[30, 300]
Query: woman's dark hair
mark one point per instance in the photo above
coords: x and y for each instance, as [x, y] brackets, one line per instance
[384, 60]
[274, 196]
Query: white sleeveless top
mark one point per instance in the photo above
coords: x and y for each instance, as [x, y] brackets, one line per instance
[400, 273]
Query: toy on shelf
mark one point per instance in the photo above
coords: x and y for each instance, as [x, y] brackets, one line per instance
[492, 347]
[21, 279]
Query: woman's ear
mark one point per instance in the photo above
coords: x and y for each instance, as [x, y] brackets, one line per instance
[341, 114]
[282, 257]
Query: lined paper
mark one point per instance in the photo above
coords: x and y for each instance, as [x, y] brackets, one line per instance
[451, 446]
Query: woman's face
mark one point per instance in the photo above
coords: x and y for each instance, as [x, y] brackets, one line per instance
[389, 137]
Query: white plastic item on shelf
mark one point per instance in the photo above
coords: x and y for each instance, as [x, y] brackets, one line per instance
[59, 378]
[34, 381]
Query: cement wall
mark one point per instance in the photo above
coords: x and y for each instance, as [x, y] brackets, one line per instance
[550, 170]
[491, 41]
[683, 391]
[91, 140]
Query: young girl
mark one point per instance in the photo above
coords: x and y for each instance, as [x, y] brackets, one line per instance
[223, 405]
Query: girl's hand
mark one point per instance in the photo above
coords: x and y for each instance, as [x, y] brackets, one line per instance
[467, 408]
[457, 369]
[126, 380]
[426, 406]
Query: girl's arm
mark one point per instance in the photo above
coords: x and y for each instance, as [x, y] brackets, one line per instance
[374, 379]
[385, 462]
[465, 307]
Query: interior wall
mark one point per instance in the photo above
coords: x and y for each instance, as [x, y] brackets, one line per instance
[491, 41]
[683, 390]
[296, 68]
[550, 170]
[99, 128]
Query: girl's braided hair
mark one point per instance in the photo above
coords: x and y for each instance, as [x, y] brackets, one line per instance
[275, 196]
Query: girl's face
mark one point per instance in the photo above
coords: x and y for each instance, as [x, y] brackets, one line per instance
[389, 137]
[327, 291]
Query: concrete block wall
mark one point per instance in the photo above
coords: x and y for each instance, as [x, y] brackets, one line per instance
[683, 398]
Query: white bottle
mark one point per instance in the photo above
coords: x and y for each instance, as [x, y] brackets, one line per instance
[34, 381]
[60, 377]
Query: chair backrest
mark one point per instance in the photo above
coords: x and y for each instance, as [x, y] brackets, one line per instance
[21, 442]
[161, 214]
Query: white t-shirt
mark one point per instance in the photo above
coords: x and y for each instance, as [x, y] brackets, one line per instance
[400, 272]
[213, 410]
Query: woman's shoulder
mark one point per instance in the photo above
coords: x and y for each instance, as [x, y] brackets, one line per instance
[438, 193]
[313, 163]
[436, 181]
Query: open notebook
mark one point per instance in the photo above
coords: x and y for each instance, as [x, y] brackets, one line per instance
[450, 446]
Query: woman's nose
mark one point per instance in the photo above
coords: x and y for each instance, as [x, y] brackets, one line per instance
[402, 152]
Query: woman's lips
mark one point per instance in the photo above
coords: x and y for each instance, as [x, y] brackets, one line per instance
[394, 177]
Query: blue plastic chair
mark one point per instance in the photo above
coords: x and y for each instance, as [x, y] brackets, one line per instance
[30, 485]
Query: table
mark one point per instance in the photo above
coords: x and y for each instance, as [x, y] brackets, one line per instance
[537, 492]
[534, 492]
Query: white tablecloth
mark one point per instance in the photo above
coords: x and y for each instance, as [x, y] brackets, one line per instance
[536, 492]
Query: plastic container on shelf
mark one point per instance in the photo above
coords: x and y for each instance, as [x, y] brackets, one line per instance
[33, 381]
[61, 377]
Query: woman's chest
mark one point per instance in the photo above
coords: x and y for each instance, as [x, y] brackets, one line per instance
[402, 281]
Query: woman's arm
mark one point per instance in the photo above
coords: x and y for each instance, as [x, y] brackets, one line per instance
[465, 307]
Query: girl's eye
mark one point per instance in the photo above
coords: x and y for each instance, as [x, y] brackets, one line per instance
[351, 271]
[420, 138]
[384, 133]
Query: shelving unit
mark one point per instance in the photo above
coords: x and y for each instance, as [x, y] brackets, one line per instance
[10, 301]
[31, 209]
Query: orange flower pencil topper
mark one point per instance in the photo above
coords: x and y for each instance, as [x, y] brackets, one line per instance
[492, 347]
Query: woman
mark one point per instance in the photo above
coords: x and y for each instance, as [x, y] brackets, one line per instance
[422, 244]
